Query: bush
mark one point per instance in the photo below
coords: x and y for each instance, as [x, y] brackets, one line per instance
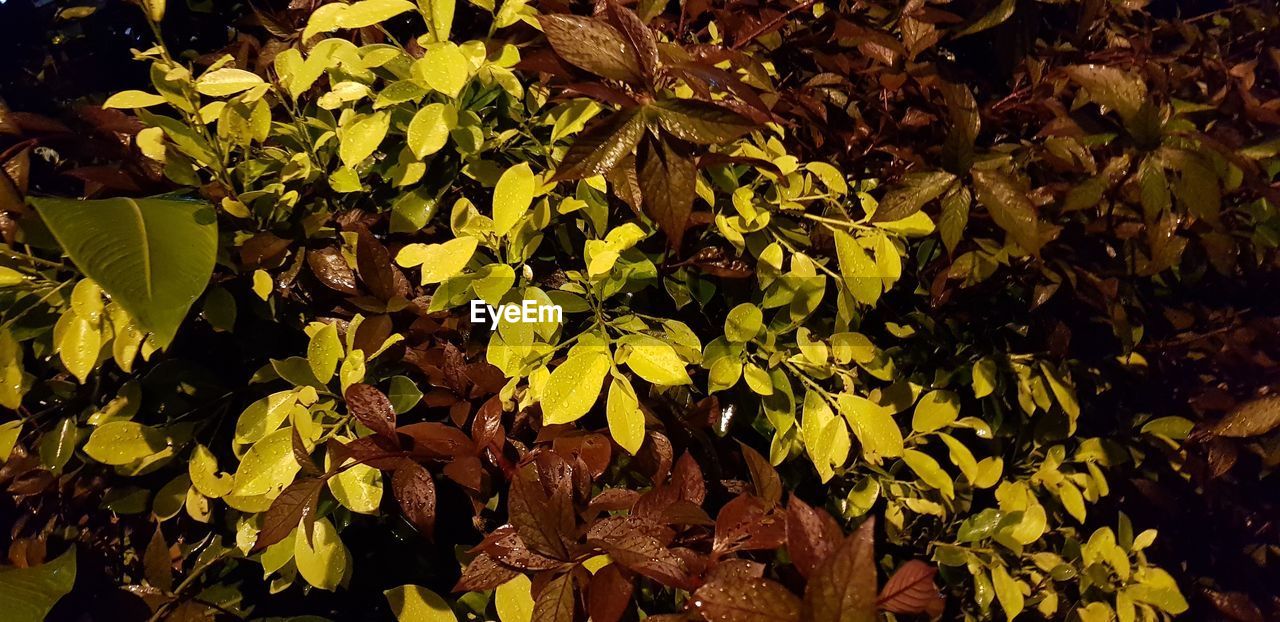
[865, 311]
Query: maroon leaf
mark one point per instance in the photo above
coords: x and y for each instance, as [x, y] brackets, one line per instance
[296, 504]
[811, 536]
[687, 478]
[667, 182]
[700, 122]
[609, 594]
[512, 551]
[747, 600]
[483, 573]
[373, 263]
[538, 517]
[332, 271]
[641, 41]
[592, 45]
[368, 405]
[378, 452]
[372, 333]
[604, 93]
[624, 182]
[843, 588]
[617, 528]
[747, 523]
[910, 590]
[646, 555]
[437, 441]
[767, 484]
[157, 564]
[302, 456]
[416, 492]
[599, 149]
[555, 603]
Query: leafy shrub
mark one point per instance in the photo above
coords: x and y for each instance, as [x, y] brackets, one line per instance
[865, 291]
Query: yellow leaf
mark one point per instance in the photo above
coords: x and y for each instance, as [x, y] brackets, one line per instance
[123, 442]
[873, 425]
[929, 472]
[9, 433]
[323, 561]
[512, 197]
[936, 410]
[574, 386]
[79, 345]
[444, 68]
[438, 261]
[133, 99]
[1008, 591]
[413, 603]
[262, 284]
[361, 138]
[227, 81]
[323, 352]
[358, 488]
[268, 466]
[370, 12]
[626, 421]
[429, 129]
[203, 469]
[655, 360]
[514, 600]
[984, 377]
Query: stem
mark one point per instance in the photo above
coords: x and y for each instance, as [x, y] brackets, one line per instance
[12, 254]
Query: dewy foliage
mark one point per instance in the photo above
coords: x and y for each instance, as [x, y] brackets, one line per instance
[820, 283]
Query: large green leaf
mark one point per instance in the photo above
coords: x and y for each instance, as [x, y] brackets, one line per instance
[27, 594]
[153, 256]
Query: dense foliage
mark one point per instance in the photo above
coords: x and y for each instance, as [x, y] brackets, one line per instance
[871, 310]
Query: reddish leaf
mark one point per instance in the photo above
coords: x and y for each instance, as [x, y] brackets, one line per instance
[372, 408]
[483, 573]
[811, 536]
[466, 471]
[599, 149]
[768, 485]
[843, 588]
[687, 478]
[747, 523]
[603, 93]
[264, 250]
[667, 182]
[372, 333]
[592, 45]
[416, 492]
[378, 452]
[734, 570]
[296, 504]
[746, 600]
[910, 590]
[506, 546]
[437, 440]
[609, 594]
[646, 555]
[302, 456]
[555, 603]
[539, 517]
[595, 450]
[157, 563]
[332, 271]
[641, 41]
[486, 428]
[373, 263]
[617, 528]
[700, 122]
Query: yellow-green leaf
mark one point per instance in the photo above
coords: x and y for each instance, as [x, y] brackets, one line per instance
[227, 81]
[361, 138]
[514, 600]
[323, 561]
[323, 352]
[929, 471]
[626, 421]
[133, 99]
[203, 469]
[123, 442]
[655, 360]
[429, 129]
[78, 346]
[984, 377]
[743, 322]
[444, 68]
[936, 410]
[9, 433]
[268, 466]
[873, 425]
[370, 12]
[358, 488]
[438, 14]
[414, 603]
[574, 386]
[1008, 591]
[438, 261]
[512, 197]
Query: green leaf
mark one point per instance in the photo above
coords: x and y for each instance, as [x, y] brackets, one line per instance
[429, 129]
[873, 425]
[133, 99]
[27, 594]
[122, 442]
[655, 360]
[859, 270]
[203, 469]
[403, 394]
[361, 138]
[1011, 209]
[370, 12]
[936, 410]
[1113, 88]
[9, 433]
[514, 599]
[227, 81]
[573, 387]
[512, 197]
[917, 189]
[598, 150]
[438, 261]
[357, 488]
[700, 122]
[591, 44]
[153, 256]
[413, 603]
[626, 420]
[984, 377]
[743, 323]
[991, 19]
[438, 14]
[324, 560]
[324, 351]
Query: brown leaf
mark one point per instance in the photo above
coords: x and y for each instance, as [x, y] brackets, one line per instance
[910, 590]
[647, 556]
[917, 189]
[372, 408]
[296, 504]
[373, 263]
[700, 122]
[437, 441]
[416, 493]
[609, 594]
[667, 181]
[1252, 418]
[601, 148]
[157, 563]
[1235, 605]
[1012, 210]
[811, 536]
[843, 588]
[332, 271]
[483, 573]
[746, 600]
[747, 523]
[768, 485]
[687, 478]
[638, 37]
[592, 45]
[302, 456]
[540, 518]
[555, 603]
